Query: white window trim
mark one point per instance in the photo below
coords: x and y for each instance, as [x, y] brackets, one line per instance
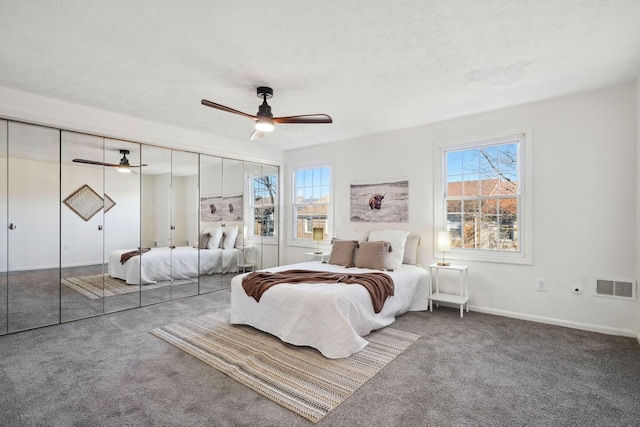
[525, 255]
[309, 243]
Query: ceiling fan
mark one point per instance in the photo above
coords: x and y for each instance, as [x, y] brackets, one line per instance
[124, 166]
[264, 120]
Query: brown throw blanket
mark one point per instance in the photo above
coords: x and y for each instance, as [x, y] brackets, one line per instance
[379, 285]
[125, 256]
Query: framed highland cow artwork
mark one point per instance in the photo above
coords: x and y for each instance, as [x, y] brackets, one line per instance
[380, 202]
[218, 208]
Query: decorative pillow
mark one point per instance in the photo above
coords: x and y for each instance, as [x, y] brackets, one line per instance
[372, 255]
[216, 237]
[342, 252]
[360, 236]
[397, 238]
[411, 250]
[230, 236]
[204, 240]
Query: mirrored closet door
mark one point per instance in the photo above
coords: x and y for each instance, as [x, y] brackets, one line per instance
[155, 210]
[261, 227]
[4, 221]
[33, 222]
[121, 219]
[210, 222]
[81, 227]
[184, 224]
[233, 216]
[169, 215]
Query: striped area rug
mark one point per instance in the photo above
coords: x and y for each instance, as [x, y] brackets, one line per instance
[298, 378]
[97, 286]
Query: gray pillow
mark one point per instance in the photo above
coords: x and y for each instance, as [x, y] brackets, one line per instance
[372, 255]
[342, 252]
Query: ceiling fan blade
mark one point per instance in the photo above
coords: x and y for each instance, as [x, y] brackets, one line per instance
[113, 165]
[92, 162]
[309, 118]
[256, 134]
[227, 109]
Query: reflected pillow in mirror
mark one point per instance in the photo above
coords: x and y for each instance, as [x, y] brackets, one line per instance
[204, 240]
[216, 237]
[230, 236]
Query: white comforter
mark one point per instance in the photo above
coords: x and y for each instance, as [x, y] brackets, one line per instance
[160, 264]
[332, 318]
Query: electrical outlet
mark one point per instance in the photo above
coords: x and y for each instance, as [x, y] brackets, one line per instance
[542, 285]
[65, 247]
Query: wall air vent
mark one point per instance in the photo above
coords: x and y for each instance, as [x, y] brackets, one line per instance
[616, 288]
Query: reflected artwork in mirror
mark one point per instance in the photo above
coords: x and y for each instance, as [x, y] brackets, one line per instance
[84, 239]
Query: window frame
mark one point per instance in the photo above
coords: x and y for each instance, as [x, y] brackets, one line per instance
[252, 208]
[525, 253]
[302, 241]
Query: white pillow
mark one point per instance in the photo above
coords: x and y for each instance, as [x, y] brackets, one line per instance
[216, 236]
[230, 235]
[397, 238]
[360, 236]
[411, 250]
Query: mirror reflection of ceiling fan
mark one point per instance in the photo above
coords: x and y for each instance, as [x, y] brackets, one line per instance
[264, 120]
[124, 166]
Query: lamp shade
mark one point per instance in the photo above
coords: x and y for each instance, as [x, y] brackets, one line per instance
[318, 234]
[444, 241]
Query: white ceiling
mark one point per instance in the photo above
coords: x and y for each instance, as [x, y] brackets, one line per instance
[373, 66]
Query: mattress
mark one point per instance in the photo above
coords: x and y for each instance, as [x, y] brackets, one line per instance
[331, 317]
[182, 262]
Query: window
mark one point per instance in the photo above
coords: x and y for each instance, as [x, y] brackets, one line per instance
[311, 201]
[484, 199]
[263, 203]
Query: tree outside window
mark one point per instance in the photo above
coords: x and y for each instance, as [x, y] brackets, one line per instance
[264, 201]
[482, 196]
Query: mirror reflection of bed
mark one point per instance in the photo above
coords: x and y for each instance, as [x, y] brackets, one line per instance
[55, 263]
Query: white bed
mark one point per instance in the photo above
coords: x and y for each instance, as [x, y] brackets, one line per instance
[332, 318]
[160, 264]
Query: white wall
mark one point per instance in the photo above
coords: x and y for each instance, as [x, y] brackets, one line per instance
[584, 189]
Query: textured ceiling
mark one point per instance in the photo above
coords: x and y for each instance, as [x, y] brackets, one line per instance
[373, 66]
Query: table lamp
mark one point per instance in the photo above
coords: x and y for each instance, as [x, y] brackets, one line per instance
[444, 244]
[318, 236]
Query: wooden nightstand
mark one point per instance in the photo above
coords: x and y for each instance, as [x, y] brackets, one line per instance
[460, 298]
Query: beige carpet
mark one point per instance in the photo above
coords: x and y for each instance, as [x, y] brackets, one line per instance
[298, 378]
[98, 286]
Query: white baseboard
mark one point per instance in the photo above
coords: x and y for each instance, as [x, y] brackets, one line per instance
[559, 322]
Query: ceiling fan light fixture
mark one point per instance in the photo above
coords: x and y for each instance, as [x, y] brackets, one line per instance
[124, 169]
[264, 125]
[264, 120]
